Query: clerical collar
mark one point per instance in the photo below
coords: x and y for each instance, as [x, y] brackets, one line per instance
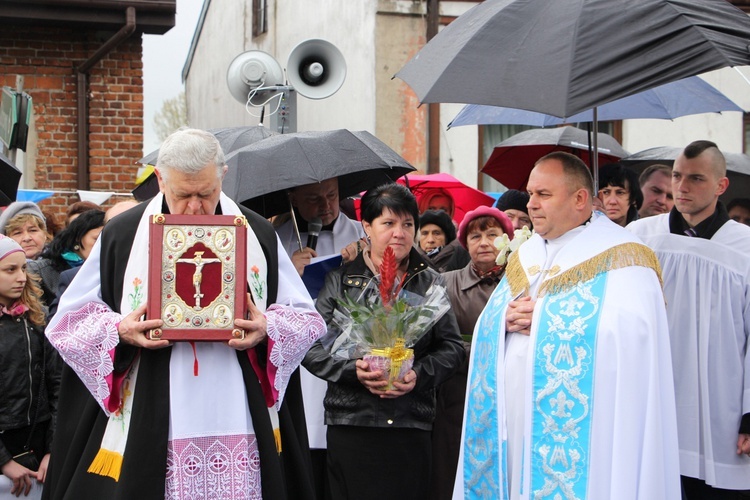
[564, 238]
[165, 207]
[706, 229]
[302, 223]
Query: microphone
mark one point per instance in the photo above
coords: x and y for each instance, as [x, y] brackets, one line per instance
[313, 231]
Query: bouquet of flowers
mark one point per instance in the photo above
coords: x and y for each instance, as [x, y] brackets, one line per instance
[506, 246]
[385, 321]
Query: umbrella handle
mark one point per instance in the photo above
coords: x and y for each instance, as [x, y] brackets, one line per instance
[294, 224]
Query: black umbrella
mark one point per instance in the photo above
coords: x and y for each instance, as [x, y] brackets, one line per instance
[565, 57]
[10, 176]
[260, 175]
[230, 138]
[738, 168]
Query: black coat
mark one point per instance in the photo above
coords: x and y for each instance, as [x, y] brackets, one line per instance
[436, 356]
[23, 346]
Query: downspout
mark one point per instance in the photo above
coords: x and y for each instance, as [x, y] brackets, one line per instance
[433, 109]
[83, 105]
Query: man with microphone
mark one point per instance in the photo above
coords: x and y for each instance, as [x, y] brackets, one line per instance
[316, 206]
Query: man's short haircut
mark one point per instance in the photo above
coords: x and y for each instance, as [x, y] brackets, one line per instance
[395, 197]
[189, 151]
[576, 172]
[651, 169]
[697, 148]
[739, 202]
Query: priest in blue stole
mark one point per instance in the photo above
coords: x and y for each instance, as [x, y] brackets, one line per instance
[570, 389]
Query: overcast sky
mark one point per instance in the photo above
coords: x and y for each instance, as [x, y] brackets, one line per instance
[163, 59]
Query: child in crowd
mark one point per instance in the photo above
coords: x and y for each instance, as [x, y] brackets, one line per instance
[29, 377]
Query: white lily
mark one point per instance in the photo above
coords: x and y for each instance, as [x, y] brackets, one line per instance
[506, 246]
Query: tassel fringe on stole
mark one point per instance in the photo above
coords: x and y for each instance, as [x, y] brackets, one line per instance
[107, 463]
[617, 257]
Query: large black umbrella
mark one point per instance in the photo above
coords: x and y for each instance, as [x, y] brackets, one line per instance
[260, 175]
[10, 176]
[738, 168]
[564, 57]
[230, 138]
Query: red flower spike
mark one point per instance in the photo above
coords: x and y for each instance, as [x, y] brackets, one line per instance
[388, 276]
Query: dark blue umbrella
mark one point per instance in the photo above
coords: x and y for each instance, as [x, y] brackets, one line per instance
[690, 96]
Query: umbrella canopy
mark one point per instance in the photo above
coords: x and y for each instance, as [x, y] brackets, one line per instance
[465, 198]
[512, 160]
[562, 58]
[689, 96]
[738, 168]
[230, 138]
[10, 176]
[260, 175]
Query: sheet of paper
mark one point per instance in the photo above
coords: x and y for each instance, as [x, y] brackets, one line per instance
[315, 272]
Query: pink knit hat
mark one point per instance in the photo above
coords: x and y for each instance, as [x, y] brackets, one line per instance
[505, 224]
[8, 246]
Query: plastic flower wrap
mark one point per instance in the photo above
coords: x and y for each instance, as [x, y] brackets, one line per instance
[385, 321]
[506, 246]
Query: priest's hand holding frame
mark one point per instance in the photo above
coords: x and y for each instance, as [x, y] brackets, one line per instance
[256, 328]
[133, 330]
[518, 316]
[743, 444]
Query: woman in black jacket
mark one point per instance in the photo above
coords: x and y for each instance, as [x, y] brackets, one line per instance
[67, 250]
[29, 375]
[379, 440]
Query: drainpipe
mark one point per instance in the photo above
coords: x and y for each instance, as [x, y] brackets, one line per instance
[83, 85]
[433, 109]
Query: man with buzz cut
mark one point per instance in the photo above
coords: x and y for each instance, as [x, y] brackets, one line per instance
[705, 259]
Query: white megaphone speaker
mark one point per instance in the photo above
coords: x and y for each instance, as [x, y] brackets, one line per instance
[316, 69]
[253, 70]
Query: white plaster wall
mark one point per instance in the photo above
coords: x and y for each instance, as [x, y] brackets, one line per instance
[350, 26]
[459, 149]
[209, 103]
[724, 129]
[227, 32]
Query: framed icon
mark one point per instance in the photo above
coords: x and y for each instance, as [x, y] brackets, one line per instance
[197, 276]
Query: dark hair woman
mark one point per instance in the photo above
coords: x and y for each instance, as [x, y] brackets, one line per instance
[68, 249]
[620, 193]
[379, 441]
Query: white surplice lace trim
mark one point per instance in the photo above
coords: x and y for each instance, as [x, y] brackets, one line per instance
[293, 333]
[215, 467]
[84, 339]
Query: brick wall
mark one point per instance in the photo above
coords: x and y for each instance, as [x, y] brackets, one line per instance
[47, 58]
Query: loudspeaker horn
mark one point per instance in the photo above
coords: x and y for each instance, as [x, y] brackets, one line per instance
[252, 70]
[316, 68]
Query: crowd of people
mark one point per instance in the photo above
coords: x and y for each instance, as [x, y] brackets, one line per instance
[606, 356]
